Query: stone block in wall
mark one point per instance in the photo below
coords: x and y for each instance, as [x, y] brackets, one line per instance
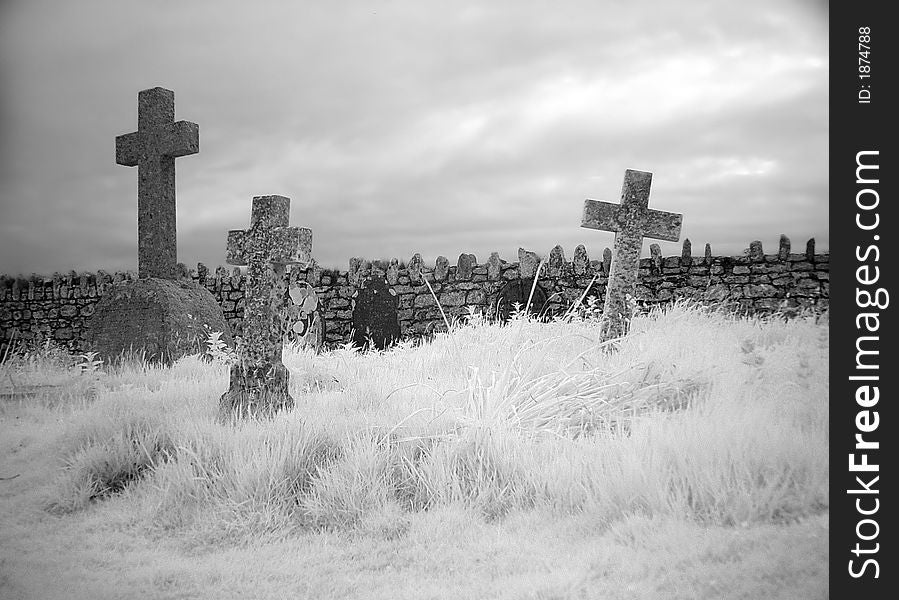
[355, 271]
[808, 285]
[644, 292]
[454, 298]
[761, 291]
[606, 261]
[441, 268]
[686, 257]
[717, 293]
[426, 314]
[338, 303]
[755, 253]
[393, 271]
[476, 297]
[581, 261]
[766, 304]
[741, 270]
[556, 261]
[494, 267]
[414, 268]
[698, 281]
[671, 262]
[527, 263]
[465, 266]
[423, 300]
[783, 249]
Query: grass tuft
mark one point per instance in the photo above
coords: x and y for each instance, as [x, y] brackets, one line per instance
[697, 414]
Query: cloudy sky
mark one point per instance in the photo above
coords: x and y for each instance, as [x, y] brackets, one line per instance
[413, 126]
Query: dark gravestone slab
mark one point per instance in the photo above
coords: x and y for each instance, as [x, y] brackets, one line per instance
[161, 318]
[304, 319]
[375, 321]
[516, 292]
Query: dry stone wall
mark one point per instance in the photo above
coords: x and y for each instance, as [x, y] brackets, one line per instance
[60, 306]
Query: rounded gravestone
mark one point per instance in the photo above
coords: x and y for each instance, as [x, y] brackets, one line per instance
[516, 293]
[161, 319]
[375, 319]
[305, 322]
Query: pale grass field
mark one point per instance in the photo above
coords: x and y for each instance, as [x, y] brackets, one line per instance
[496, 462]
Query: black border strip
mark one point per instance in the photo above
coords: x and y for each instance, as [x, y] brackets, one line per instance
[859, 119]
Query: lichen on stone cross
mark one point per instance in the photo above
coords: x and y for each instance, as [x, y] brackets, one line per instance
[631, 220]
[153, 148]
[259, 380]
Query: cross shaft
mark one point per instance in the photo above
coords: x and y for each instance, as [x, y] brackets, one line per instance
[631, 220]
[265, 248]
[153, 149]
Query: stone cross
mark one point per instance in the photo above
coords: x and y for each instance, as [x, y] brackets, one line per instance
[631, 220]
[259, 381]
[153, 148]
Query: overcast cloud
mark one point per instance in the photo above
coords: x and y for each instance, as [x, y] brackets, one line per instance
[413, 126]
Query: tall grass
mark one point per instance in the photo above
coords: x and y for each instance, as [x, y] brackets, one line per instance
[696, 414]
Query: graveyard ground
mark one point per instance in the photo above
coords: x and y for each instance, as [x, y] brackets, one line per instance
[497, 462]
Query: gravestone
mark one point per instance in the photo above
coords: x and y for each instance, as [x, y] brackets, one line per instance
[156, 316]
[305, 320]
[516, 293]
[159, 320]
[375, 317]
[631, 220]
[259, 379]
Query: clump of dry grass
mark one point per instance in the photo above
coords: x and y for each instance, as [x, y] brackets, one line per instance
[697, 414]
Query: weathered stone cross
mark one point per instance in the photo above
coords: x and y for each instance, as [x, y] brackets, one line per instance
[153, 149]
[631, 220]
[259, 380]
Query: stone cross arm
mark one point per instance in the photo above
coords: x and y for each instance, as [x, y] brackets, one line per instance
[282, 245]
[655, 224]
[181, 138]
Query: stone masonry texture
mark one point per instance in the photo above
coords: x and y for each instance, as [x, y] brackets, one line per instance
[58, 307]
[153, 148]
[167, 318]
[631, 220]
[267, 247]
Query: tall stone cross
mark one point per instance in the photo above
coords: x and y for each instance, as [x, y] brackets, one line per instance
[259, 380]
[631, 220]
[153, 148]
